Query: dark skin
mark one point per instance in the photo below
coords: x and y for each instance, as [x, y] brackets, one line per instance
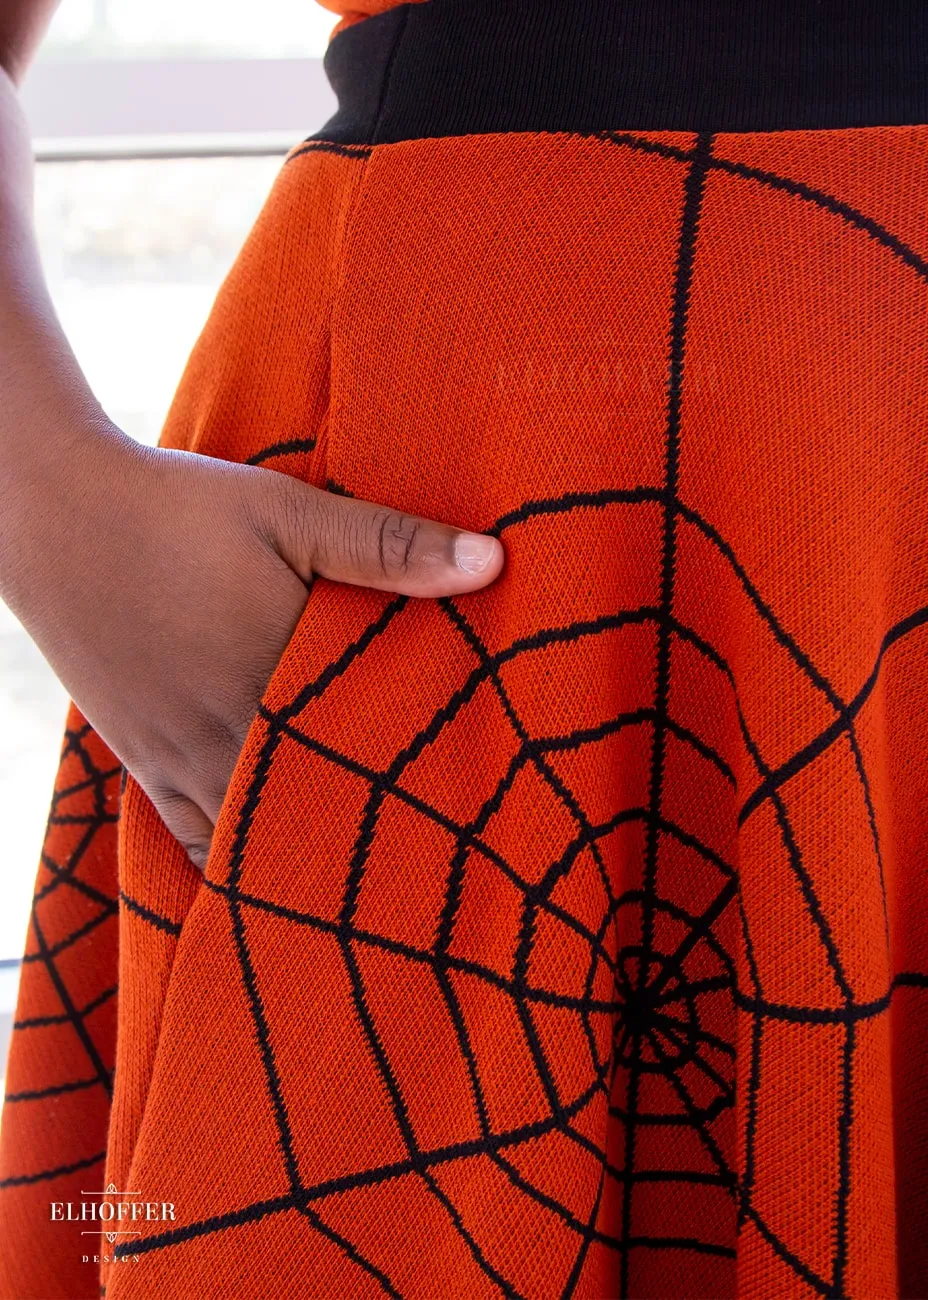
[22, 26]
[124, 561]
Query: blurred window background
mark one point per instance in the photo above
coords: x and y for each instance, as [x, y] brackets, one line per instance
[126, 28]
[158, 131]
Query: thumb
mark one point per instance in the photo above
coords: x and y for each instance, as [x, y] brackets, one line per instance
[187, 822]
[374, 546]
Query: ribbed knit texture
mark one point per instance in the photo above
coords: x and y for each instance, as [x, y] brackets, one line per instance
[474, 67]
[569, 938]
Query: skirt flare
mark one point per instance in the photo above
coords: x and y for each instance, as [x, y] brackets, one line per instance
[568, 938]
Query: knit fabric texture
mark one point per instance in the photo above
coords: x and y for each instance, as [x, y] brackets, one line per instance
[567, 938]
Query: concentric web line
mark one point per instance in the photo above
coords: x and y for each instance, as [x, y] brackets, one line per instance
[654, 1015]
[638, 1010]
[655, 1008]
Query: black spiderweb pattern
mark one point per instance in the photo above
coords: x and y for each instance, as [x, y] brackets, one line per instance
[653, 1018]
[84, 807]
[658, 991]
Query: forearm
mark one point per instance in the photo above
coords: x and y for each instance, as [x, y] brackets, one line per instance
[45, 402]
[22, 25]
[53, 433]
[40, 380]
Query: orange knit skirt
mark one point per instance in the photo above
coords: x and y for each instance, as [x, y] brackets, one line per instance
[568, 938]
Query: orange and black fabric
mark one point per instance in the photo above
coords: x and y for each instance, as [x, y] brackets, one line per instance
[568, 938]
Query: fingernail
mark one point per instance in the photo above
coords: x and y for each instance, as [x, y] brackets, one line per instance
[473, 552]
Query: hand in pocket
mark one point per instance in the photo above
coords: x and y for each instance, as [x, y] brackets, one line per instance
[166, 605]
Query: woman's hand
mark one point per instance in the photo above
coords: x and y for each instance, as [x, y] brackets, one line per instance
[163, 586]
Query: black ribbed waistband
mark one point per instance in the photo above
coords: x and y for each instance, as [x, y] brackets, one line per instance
[461, 67]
